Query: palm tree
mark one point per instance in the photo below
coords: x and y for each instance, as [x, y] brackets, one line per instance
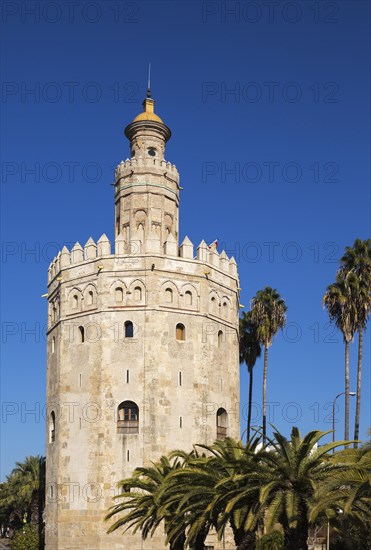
[22, 495]
[205, 491]
[140, 503]
[357, 260]
[288, 478]
[188, 491]
[31, 475]
[346, 497]
[235, 501]
[250, 350]
[340, 301]
[268, 311]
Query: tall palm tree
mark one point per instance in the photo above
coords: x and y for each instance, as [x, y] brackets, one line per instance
[204, 489]
[268, 311]
[340, 302]
[357, 260]
[288, 478]
[139, 505]
[235, 501]
[31, 475]
[189, 490]
[22, 495]
[346, 497]
[250, 350]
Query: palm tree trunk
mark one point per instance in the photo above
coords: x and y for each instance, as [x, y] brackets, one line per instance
[244, 540]
[250, 404]
[359, 378]
[265, 392]
[199, 543]
[179, 544]
[296, 538]
[346, 430]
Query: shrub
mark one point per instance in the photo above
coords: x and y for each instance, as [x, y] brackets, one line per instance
[26, 538]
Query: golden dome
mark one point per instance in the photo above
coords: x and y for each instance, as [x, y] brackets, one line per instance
[148, 116]
[149, 112]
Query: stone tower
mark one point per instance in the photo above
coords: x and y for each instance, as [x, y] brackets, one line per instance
[142, 353]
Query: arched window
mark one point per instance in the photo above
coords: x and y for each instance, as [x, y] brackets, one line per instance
[75, 301]
[52, 427]
[221, 423]
[169, 295]
[129, 329]
[220, 338]
[128, 418]
[119, 294]
[180, 332]
[137, 294]
[82, 334]
[213, 305]
[53, 344]
[188, 298]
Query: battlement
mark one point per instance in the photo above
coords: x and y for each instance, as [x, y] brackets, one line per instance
[78, 255]
[129, 166]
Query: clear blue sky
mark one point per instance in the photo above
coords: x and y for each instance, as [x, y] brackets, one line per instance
[280, 95]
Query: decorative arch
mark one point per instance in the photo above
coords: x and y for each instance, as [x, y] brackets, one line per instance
[189, 296]
[169, 294]
[137, 292]
[75, 299]
[118, 292]
[168, 221]
[128, 418]
[90, 295]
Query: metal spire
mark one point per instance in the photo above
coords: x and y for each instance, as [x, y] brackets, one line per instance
[149, 81]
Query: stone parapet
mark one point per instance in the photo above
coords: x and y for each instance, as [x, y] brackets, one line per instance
[146, 166]
[128, 254]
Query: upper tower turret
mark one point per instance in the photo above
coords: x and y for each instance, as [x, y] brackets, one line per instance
[146, 186]
[147, 133]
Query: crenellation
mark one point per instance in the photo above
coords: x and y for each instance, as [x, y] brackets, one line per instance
[233, 267]
[104, 246]
[127, 167]
[224, 261]
[186, 249]
[77, 254]
[213, 256]
[90, 249]
[202, 252]
[65, 257]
